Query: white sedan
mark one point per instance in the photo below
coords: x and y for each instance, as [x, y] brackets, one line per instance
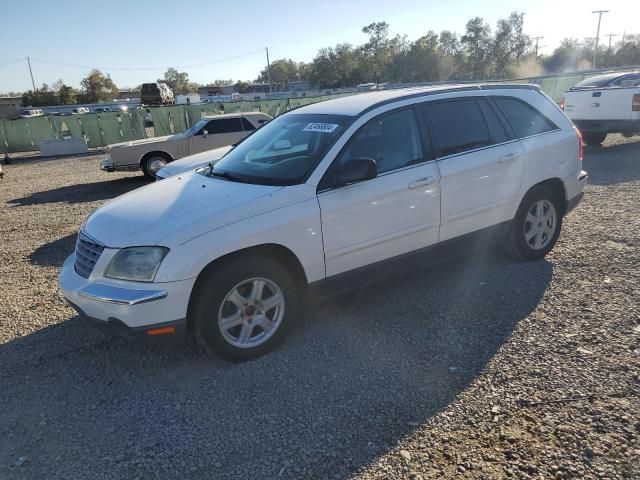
[327, 197]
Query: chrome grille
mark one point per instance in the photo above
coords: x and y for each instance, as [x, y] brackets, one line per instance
[88, 252]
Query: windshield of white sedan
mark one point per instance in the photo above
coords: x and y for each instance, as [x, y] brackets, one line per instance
[284, 151]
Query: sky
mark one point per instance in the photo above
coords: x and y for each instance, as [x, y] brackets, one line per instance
[123, 34]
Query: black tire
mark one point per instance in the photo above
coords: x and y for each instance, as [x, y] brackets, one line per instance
[148, 160]
[593, 138]
[517, 243]
[211, 290]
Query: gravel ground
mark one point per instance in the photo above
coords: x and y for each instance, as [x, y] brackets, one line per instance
[479, 368]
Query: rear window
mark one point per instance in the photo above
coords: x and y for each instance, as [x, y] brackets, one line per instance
[458, 125]
[523, 118]
[597, 81]
[248, 126]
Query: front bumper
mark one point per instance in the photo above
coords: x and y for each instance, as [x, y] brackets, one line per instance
[107, 165]
[153, 311]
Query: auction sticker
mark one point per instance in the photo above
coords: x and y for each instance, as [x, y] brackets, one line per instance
[321, 127]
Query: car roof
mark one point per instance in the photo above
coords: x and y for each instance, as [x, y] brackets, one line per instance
[600, 80]
[235, 114]
[359, 103]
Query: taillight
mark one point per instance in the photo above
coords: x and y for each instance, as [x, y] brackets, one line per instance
[561, 104]
[579, 143]
[635, 103]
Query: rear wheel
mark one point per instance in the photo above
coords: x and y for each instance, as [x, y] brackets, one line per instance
[151, 164]
[243, 308]
[593, 138]
[536, 226]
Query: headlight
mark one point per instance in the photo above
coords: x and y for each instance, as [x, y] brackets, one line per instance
[138, 264]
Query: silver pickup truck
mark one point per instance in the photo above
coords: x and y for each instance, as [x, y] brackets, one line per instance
[151, 154]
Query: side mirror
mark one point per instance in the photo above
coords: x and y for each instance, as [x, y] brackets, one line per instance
[356, 170]
[205, 133]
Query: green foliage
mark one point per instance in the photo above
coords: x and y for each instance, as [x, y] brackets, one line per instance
[282, 71]
[179, 82]
[96, 87]
[43, 97]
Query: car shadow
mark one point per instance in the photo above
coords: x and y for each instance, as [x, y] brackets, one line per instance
[83, 193]
[610, 165]
[53, 254]
[346, 386]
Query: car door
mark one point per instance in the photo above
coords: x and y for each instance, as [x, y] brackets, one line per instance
[481, 166]
[220, 132]
[396, 212]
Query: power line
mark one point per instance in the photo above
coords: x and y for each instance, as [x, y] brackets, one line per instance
[13, 61]
[74, 65]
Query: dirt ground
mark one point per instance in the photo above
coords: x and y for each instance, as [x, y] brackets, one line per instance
[480, 368]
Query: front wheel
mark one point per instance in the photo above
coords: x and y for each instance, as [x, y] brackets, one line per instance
[152, 164]
[242, 308]
[593, 138]
[536, 226]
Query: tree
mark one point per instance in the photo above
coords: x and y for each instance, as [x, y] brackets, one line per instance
[179, 82]
[509, 44]
[283, 71]
[43, 97]
[477, 42]
[241, 87]
[96, 87]
[67, 95]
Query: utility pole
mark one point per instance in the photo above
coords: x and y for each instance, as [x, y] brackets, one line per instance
[31, 73]
[537, 39]
[268, 68]
[595, 50]
[610, 35]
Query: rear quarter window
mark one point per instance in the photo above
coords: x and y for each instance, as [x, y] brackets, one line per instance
[523, 118]
[458, 125]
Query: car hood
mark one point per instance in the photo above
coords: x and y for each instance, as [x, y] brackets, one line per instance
[175, 210]
[144, 141]
[193, 161]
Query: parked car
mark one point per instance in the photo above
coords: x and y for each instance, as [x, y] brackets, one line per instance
[102, 109]
[31, 112]
[151, 154]
[325, 198]
[192, 162]
[79, 110]
[605, 104]
[156, 93]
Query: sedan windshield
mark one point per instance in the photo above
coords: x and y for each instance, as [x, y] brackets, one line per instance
[195, 127]
[284, 151]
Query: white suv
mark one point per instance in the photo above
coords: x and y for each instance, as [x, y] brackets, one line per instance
[323, 198]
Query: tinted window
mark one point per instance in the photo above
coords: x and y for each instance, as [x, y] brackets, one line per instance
[224, 125]
[597, 81]
[496, 128]
[392, 140]
[627, 81]
[458, 126]
[247, 125]
[523, 118]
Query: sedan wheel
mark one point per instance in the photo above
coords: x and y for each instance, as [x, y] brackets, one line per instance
[152, 165]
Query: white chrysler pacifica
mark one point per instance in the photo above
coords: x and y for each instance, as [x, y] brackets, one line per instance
[362, 186]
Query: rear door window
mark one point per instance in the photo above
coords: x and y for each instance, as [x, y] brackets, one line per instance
[458, 126]
[523, 118]
[224, 125]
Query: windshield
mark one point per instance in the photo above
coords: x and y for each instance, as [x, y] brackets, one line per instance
[195, 127]
[284, 151]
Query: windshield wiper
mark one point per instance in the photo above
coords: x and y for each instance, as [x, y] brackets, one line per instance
[222, 174]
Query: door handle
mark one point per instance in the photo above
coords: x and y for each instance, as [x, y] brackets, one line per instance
[421, 182]
[509, 157]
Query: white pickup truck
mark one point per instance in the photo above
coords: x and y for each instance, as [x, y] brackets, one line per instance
[605, 104]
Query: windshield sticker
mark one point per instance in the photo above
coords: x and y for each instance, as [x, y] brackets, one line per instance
[321, 127]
